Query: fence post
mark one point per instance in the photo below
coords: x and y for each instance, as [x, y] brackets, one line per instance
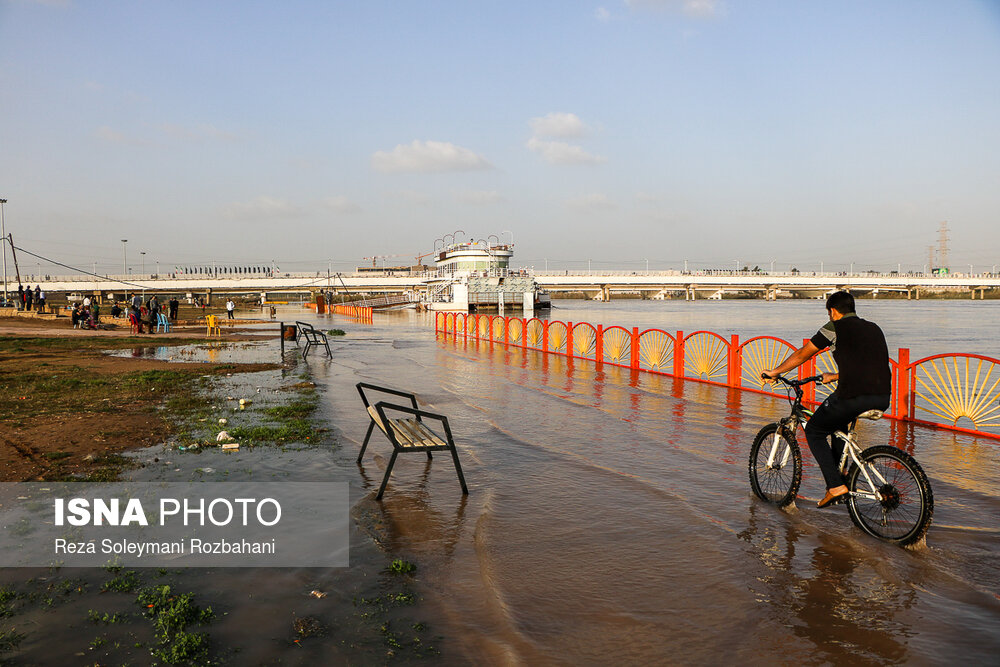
[524, 332]
[808, 369]
[545, 336]
[901, 387]
[634, 361]
[679, 355]
[506, 331]
[599, 344]
[569, 339]
[734, 367]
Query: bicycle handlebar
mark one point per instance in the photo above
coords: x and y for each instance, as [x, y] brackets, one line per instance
[795, 383]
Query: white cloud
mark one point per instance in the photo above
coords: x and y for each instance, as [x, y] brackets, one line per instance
[702, 9]
[262, 208]
[428, 157]
[560, 152]
[341, 205]
[557, 124]
[592, 202]
[602, 14]
[479, 197]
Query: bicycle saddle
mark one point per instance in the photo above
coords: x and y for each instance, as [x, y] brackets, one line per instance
[871, 414]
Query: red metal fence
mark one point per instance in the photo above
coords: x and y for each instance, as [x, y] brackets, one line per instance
[958, 392]
[361, 312]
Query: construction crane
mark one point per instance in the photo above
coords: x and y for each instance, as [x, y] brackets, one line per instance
[378, 257]
[426, 254]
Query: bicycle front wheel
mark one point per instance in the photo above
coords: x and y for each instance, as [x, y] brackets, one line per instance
[900, 506]
[775, 465]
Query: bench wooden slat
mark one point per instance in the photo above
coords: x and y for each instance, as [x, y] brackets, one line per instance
[414, 434]
[378, 420]
[425, 434]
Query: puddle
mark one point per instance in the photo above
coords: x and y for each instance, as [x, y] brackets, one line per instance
[203, 353]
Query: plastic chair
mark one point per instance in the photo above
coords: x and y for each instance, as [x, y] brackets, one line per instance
[134, 324]
[162, 321]
[213, 326]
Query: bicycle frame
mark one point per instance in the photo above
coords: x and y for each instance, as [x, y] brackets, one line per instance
[799, 416]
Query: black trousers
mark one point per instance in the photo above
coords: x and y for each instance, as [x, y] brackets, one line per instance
[836, 414]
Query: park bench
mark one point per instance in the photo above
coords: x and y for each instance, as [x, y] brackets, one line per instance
[407, 432]
[312, 337]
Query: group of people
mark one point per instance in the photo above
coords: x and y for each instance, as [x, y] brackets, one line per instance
[146, 315]
[28, 299]
[86, 315]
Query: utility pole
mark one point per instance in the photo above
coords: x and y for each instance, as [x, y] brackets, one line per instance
[3, 232]
[124, 259]
[943, 245]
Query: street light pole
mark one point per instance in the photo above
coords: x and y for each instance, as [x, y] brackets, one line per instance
[3, 232]
[124, 258]
[142, 262]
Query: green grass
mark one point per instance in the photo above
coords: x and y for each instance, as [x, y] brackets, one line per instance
[294, 430]
[400, 566]
[172, 614]
[125, 582]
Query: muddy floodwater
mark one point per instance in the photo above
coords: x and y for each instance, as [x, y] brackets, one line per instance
[610, 516]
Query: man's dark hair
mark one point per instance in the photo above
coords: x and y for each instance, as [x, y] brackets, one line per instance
[842, 302]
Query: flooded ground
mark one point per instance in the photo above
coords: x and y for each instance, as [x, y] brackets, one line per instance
[610, 517]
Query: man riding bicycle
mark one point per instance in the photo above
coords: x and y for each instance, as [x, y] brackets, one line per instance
[864, 382]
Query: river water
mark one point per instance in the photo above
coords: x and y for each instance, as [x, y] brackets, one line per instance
[610, 517]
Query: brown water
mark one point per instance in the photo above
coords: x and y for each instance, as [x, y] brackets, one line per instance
[610, 518]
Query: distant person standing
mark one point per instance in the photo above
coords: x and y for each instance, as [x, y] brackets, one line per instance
[154, 311]
[230, 307]
[174, 305]
[27, 298]
[86, 303]
[20, 297]
[38, 297]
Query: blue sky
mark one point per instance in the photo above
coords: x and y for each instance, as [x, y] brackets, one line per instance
[311, 132]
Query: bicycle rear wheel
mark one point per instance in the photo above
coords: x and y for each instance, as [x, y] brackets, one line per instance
[776, 482]
[902, 513]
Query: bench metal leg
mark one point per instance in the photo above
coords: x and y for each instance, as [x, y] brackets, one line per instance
[388, 471]
[368, 435]
[458, 469]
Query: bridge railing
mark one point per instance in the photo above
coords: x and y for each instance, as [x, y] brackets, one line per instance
[958, 392]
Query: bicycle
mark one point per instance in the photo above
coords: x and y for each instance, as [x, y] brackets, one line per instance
[889, 496]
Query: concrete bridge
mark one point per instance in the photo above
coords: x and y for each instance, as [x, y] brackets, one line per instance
[599, 285]
[715, 284]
